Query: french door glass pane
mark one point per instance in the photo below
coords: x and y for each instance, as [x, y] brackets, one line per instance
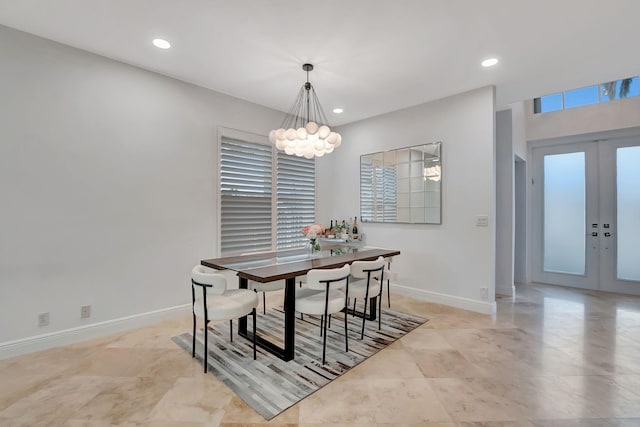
[628, 208]
[564, 213]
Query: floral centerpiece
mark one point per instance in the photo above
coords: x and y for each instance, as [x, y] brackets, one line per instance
[311, 232]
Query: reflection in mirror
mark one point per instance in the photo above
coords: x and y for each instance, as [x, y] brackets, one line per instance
[402, 185]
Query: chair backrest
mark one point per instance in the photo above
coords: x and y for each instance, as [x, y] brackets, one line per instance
[215, 283]
[361, 269]
[316, 279]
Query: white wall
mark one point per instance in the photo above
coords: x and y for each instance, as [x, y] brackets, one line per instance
[447, 263]
[602, 117]
[107, 182]
[520, 221]
[519, 129]
[504, 203]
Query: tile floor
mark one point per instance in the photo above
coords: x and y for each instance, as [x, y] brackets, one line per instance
[551, 357]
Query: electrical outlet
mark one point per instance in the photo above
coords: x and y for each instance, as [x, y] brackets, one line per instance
[484, 293]
[43, 319]
[85, 311]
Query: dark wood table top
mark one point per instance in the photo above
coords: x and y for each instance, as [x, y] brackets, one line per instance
[270, 266]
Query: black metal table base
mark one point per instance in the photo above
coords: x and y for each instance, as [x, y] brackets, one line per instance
[287, 352]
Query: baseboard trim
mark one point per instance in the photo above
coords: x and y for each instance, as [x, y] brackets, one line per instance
[505, 290]
[484, 307]
[85, 332]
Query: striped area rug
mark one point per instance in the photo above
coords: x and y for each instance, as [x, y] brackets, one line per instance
[270, 385]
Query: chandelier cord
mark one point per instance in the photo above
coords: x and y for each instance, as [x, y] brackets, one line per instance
[308, 87]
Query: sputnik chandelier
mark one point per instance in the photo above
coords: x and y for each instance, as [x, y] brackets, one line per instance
[304, 131]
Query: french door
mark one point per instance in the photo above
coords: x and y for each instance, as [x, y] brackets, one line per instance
[586, 224]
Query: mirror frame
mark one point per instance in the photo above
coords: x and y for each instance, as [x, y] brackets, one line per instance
[391, 158]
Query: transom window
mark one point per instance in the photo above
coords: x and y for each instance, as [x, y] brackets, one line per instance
[266, 197]
[604, 92]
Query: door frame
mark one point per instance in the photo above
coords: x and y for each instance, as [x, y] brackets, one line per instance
[609, 215]
[616, 134]
[589, 279]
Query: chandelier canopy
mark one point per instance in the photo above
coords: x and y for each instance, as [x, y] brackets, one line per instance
[304, 131]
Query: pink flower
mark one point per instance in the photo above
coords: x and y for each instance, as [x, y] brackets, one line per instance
[312, 231]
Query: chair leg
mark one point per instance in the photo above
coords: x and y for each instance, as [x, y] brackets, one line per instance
[324, 341]
[321, 323]
[254, 333]
[193, 346]
[364, 318]
[329, 321]
[346, 335]
[206, 341]
[389, 293]
[354, 308]
[231, 330]
[326, 309]
[380, 310]
[264, 303]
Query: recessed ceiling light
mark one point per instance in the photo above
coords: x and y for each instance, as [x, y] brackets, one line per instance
[489, 62]
[161, 44]
[338, 110]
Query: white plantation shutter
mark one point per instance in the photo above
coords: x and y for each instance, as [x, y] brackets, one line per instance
[295, 198]
[366, 192]
[249, 205]
[246, 192]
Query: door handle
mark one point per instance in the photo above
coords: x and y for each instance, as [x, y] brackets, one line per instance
[594, 234]
[607, 234]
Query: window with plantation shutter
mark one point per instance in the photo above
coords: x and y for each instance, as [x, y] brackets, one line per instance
[366, 190]
[262, 192]
[295, 198]
[246, 192]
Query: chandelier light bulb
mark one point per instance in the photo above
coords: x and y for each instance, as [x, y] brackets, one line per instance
[312, 128]
[323, 131]
[291, 134]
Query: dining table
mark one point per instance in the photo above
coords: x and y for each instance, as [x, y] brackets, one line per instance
[287, 265]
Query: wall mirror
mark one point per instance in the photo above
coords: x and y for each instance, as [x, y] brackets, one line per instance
[402, 185]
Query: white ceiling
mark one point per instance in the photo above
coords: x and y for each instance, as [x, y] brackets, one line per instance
[371, 56]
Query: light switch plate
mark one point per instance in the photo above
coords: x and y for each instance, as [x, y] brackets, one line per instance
[482, 221]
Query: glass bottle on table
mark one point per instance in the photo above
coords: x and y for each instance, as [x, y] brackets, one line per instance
[354, 230]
